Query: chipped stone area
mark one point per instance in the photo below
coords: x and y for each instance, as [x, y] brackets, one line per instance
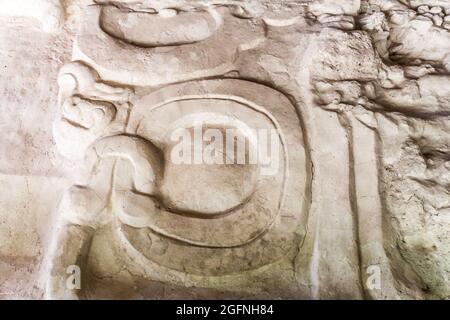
[352, 203]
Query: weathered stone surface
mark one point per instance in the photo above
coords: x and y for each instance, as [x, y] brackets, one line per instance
[134, 159]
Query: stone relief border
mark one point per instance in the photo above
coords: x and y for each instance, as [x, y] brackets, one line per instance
[375, 72]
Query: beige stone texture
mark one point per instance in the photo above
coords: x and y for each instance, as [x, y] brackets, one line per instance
[348, 198]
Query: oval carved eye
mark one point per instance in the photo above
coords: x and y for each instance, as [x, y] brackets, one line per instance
[209, 189]
[165, 28]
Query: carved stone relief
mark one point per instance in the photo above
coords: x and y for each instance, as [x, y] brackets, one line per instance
[356, 97]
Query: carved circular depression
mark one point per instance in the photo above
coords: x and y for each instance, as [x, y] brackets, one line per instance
[213, 205]
[209, 182]
[230, 218]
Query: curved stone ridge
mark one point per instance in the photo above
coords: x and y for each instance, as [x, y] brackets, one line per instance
[167, 27]
[225, 149]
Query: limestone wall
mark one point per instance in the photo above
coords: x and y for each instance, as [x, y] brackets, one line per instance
[347, 197]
